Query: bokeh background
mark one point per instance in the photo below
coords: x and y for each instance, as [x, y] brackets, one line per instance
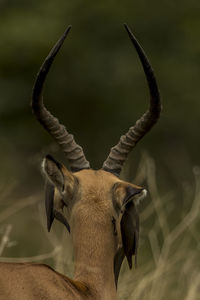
[97, 88]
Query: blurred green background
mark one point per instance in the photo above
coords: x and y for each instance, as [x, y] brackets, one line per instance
[97, 88]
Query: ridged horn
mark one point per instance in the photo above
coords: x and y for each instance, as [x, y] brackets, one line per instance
[127, 142]
[73, 152]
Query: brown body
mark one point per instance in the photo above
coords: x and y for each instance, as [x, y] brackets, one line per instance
[31, 282]
[38, 282]
[97, 208]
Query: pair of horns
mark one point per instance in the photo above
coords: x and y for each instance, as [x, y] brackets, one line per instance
[127, 142]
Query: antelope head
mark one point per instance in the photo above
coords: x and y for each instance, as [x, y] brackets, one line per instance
[95, 205]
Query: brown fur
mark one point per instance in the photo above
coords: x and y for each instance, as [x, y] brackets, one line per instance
[37, 281]
[90, 213]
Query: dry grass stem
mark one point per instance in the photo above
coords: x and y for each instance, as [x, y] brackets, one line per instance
[5, 239]
[36, 258]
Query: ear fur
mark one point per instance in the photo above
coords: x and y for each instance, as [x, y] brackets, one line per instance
[59, 182]
[123, 193]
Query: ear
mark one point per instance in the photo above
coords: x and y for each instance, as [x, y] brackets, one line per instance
[58, 174]
[126, 196]
[124, 193]
[60, 183]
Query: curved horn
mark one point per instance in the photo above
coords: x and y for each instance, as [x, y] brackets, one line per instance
[119, 153]
[73, 152]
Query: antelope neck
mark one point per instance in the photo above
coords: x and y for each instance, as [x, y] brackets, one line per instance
[94, 264]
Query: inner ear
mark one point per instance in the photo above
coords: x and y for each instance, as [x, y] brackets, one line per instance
[58, 175]
[123, 193]
[131, 191]
[53, 170]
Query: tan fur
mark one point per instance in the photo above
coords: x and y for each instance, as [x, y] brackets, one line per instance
[94, 242]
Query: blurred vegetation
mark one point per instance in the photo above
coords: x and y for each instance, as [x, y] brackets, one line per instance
[169, 242]
[98, 90]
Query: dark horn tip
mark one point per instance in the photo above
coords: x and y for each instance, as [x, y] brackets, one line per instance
[68, 29]
[127, 28]
[125, 25]
[130, 33]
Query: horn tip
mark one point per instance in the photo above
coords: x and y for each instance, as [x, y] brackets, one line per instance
[69, 28]
[126, 27]
[66, 31]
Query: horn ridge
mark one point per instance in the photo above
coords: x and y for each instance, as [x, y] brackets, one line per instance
[127, 142]
[73, 151]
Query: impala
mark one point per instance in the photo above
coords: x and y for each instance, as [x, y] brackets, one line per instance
[96, 206]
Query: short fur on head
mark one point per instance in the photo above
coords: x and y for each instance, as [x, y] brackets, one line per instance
[115, 198]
